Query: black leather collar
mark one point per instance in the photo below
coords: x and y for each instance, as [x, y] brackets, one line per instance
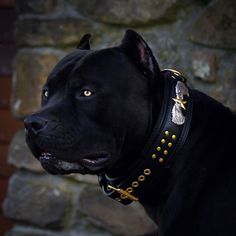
[165, 142]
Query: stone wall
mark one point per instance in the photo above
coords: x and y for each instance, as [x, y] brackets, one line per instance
[195, 37]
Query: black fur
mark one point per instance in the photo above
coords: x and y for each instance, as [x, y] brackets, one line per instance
[197, 195]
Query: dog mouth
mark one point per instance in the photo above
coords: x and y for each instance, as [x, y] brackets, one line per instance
[92, 163]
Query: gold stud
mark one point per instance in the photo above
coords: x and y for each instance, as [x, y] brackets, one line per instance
[154, 156]
[147, 171]
[158, 148]
[163, 141]
[170, 145]
[165, 152]
[161, 160]
[118, 199]
[129, 189]
[141, 178]
[173, 136]
[135, 184]
[166, 133]
[122, 196]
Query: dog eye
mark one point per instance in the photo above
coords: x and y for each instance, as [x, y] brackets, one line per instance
[83, 93]
[87, 93]
[45, 93]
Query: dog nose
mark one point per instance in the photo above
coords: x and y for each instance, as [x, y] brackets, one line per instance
[34, 124]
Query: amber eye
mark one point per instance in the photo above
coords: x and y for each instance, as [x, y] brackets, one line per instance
[87, 93]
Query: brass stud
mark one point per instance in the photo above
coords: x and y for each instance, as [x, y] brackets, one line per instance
[163, 141]
[170, 145]
[147, 171]
[167, 133]
[154, 156]
[141, 178]
[165, 152]
[161, 160]
[122, 196]
[135, 184]
[158, 148]
[173, 136]
[129, 189]
[118, 199]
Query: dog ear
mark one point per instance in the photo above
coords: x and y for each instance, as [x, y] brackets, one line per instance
[138, 50]
[84, 42]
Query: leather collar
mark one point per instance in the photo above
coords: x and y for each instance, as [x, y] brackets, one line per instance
[165, 142]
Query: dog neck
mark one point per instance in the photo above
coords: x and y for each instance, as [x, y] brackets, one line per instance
[163, 145]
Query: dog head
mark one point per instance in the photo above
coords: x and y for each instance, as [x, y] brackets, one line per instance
[96, 108]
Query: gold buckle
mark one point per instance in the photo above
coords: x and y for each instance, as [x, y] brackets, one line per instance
[177, 73]
[125, 193]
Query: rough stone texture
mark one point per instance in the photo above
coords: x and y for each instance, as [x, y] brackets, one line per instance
[129, 12]
[216, 26]
[90, 179]
[40, 200]
[38, 32]
[31, 71]
[20, 156]
[79, 231]
[35, 6]
[204, 66]
[226, 89]
[107, 213]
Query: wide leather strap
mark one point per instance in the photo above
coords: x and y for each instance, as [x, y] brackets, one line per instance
[165, 142]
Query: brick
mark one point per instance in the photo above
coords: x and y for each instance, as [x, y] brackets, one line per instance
[7, 55]
[7, 3]
[5, 224]
[5, 169]
[5, 92]
[3, 184]
[8, 126]
[7, 21]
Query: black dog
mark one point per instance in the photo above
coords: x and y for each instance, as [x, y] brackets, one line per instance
[148, 137]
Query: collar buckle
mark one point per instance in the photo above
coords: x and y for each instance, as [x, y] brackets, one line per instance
[124, 193]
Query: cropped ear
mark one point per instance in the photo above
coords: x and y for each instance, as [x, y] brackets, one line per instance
[138, 50]
[84, 42]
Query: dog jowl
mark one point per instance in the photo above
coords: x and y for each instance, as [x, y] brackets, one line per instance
[144, 132]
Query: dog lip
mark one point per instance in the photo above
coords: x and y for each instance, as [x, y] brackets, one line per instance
[95, 163]
[92, 162]
[57, 166]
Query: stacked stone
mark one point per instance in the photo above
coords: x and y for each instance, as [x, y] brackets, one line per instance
[185, 35]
